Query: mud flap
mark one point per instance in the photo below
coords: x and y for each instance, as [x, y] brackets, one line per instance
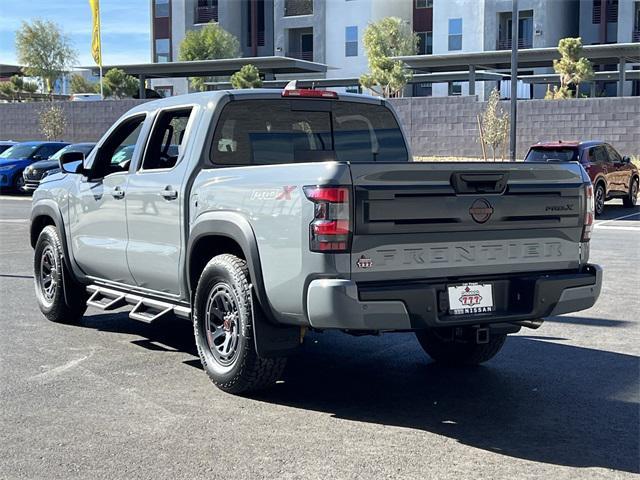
[273, 340]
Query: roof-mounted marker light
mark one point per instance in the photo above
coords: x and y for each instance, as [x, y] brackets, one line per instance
[292, 90]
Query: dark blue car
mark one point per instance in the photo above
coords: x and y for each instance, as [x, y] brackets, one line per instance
[16, 158]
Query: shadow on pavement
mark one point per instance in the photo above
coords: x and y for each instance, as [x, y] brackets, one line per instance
[538, 400]
[592, 322]
[615, 209]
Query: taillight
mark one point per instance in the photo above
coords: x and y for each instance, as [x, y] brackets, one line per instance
[589, 213]
[330, 230]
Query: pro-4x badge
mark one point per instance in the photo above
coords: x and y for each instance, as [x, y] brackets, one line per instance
[364, 262]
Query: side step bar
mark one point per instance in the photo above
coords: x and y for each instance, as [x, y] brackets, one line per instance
[145, 309]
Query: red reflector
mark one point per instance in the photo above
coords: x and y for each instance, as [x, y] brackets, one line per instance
[327, 194]
[306, 92]
[331, 227]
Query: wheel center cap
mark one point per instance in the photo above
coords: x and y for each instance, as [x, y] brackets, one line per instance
[227, 322]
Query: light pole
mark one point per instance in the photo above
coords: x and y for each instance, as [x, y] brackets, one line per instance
[514, 79]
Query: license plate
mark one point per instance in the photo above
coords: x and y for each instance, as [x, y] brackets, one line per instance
[470, 298]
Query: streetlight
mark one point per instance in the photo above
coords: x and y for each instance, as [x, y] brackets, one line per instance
[514, 79]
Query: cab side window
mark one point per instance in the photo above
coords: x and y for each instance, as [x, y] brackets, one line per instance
[599, 154]
[115, 154]
[613, 155]
[166, 140]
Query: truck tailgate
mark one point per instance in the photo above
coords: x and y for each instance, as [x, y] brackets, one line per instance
[435, 220]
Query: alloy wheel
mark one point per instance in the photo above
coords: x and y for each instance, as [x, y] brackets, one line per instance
[222, 324]
[48, 274]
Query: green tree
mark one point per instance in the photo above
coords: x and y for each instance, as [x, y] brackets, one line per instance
[572, 67]
[495, 123]
[16, 87]
[208, 43]
[116, 83]
[247, 77]
[384, 39]
[80, 85]
[53, 122]
[45, 51]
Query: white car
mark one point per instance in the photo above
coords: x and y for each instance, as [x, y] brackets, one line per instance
[86, 97]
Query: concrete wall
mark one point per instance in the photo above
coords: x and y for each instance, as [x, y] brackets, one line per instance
[436, 126]
[86, 121]
[448, 127]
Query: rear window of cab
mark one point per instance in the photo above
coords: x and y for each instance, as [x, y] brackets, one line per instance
[264, 132]
[559, 154]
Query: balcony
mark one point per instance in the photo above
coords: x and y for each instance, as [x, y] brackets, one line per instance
[505, 44]
[294, 8]
[302, 55]
[635, 36]
[207, 14]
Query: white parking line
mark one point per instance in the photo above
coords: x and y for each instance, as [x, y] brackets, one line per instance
[615, 227]
[9, 197]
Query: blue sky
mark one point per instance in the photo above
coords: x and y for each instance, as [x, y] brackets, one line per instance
[125, 27]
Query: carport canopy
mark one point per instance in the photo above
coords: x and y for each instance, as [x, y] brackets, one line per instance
[610, 54]
[269, 66]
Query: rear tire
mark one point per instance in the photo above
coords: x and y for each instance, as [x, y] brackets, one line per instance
[50, 284]
[600, 196]
[223, 328]
[630, 200]
[459, 351]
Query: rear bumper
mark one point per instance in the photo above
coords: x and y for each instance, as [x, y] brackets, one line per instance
[344, 304]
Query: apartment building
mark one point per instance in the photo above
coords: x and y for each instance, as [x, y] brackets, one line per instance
[251, 21]
[331, 31]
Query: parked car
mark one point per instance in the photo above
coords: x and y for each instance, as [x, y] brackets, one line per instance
[284, 211]
[35, 172]
[6, 145]
[612, 175]
[86, 97]
[16, 158]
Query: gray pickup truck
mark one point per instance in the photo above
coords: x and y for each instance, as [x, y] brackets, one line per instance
[262, 214]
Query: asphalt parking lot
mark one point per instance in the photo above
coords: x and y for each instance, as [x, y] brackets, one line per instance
[117, 398]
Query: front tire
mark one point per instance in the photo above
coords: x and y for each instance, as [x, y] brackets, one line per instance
[600, 196]
[223, 328]
[630, 200]
[18, 183]
[49, 281]
[450, 350]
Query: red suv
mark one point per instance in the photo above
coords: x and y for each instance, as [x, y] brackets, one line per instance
[612, 175]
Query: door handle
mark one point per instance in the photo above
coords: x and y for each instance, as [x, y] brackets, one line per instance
[117, 193]
[169, 193]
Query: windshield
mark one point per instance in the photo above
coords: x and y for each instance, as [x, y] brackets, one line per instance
[262, 132]
[84, 149]
[560, 154]
[19, 151]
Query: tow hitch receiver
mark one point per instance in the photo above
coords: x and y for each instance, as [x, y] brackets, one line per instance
[482, 335]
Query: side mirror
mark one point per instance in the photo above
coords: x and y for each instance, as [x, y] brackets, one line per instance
[71, 162]
[626, 159]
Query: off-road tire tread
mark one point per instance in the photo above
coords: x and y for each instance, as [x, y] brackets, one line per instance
[457, 353]
[256, 373]
[59, 312]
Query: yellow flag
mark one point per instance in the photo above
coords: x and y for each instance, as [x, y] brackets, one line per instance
[96, 47]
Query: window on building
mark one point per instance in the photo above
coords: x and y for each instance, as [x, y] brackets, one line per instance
[425, 43]
[611, 11]
[351, 41]
[455, 88]
[161, 8]
[424, 89]
[455, 34]
[260, 23]
[163, 47]
[424, 3]
[206, 11]
[293, 8]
